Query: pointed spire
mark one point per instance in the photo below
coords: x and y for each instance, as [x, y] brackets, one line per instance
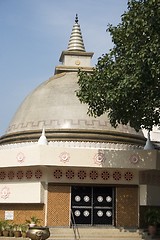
[43, 140]
[76, 40]
[149, 145]
[75, 56]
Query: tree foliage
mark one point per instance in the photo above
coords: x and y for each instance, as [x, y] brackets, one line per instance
[125, 82]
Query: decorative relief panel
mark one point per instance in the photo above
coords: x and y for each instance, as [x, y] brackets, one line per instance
[70, 174]
[105, 175]
[20, 157]
[82, 174]
[99, 158]
[38, 174]
[134, 159]
[11, 175]
[117, 175]
[29, 174]
[21, 174]
[2, 175]
[57, 174]
[94, 175]
[64, 157]
[128, 176]
[5, 192]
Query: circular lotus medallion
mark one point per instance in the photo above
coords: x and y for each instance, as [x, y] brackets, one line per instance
[108, 199]
[108, 214]
[86, 213]
[86, 198]
[77, 198]
[77, 213]
[100, 199]
[100, 213]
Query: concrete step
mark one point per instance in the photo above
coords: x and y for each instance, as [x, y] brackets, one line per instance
[94, 234]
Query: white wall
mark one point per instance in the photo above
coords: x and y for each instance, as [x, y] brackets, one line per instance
[22, 192]
[77, 157]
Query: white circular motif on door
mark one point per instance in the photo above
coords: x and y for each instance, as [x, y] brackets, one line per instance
[108, 214]
[100, 199]
[86, 198]
[77, 213]
[100, 213]
[77, 198]
[108, 199]
[86, 213]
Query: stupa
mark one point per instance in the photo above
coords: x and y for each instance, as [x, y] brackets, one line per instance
[61, 165]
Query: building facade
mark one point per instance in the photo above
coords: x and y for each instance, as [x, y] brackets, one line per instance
[65, 167]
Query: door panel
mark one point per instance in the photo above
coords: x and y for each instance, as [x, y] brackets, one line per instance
[81, 204]
[102, 196]
[102, 205]
[82, 215]
[81, 196]
[102, 216]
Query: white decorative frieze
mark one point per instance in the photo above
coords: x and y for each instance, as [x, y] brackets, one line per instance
[94, 145]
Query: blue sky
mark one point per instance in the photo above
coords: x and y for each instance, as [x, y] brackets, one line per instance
[33, 33]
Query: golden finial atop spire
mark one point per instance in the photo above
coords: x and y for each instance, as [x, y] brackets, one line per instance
[76, 18]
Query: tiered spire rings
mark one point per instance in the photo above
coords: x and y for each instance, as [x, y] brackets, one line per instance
[76, 40]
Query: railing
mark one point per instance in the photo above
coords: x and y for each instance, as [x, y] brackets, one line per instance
[74, 226]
